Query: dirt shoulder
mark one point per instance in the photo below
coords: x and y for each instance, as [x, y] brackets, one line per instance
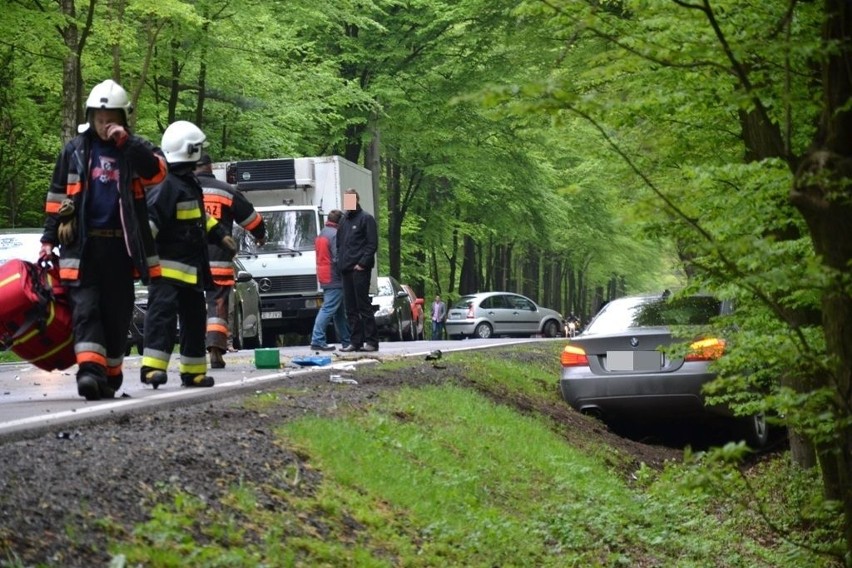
[59, 492]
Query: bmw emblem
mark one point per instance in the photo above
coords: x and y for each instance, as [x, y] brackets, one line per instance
[265, 284]
[634, 342]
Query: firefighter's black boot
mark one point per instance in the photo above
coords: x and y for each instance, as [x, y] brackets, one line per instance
[193, 380]
[153, 377]
[87, 386]
[92, 382]
[113, 384]
[216, 359]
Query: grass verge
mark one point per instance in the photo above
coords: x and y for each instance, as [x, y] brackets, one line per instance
[453, 475]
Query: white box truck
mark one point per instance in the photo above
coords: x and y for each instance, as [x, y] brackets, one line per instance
[293, 195]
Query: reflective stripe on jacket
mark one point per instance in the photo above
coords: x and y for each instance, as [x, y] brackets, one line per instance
[181, 228]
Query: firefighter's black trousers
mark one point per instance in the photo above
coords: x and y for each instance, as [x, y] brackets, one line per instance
[168, 304]
[102, 306]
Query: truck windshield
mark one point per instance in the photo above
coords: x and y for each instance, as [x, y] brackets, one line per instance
[286, 231]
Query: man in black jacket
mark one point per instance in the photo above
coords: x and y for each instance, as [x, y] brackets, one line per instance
[357, 243]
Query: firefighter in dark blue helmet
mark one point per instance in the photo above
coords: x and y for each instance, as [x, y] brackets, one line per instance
[181, 229]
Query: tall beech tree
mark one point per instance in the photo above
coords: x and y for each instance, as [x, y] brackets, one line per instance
[735, 116]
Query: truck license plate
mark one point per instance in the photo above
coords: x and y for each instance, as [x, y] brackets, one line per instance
[270, 315]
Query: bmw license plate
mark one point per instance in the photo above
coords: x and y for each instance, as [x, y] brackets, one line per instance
[270, 315]
[634, 360]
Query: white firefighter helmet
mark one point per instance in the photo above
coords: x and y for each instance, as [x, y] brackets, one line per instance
[182, 142]
[107, 95]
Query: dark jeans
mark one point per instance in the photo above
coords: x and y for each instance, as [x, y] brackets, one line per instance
[359, 308]
[437, 329]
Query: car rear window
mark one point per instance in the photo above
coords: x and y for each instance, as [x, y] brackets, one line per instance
[626, 313]
[462, 303]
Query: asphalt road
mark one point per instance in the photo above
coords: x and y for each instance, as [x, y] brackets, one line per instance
[33, 401]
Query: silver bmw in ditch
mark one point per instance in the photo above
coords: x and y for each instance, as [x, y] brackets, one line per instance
[619, 368]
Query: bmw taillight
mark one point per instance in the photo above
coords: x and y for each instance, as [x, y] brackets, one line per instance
[706, 350]
[573, 356]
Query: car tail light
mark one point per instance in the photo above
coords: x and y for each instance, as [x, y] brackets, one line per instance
[706, 350]
[573, 356]
[470, 311]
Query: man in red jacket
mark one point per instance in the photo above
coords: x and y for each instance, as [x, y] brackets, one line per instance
[329, 278]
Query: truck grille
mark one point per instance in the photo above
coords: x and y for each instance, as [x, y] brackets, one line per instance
[304, 284]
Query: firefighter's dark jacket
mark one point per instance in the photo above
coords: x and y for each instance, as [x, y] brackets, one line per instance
[141, 165]
[182, 228]
[228, 206]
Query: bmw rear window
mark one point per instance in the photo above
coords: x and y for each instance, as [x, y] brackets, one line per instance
[627, 313]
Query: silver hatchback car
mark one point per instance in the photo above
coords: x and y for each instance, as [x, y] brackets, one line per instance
[492, 314]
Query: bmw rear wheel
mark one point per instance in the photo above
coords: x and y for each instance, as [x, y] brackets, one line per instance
[753, 429]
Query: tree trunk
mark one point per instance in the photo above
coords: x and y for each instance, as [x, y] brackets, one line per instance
[823, 194]
[469, 281]
[70, 73]
[452, 259]
[394, 230]
[433, 270]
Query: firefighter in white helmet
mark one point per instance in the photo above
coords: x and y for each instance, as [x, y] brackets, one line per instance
[181, 229]
[97, 215]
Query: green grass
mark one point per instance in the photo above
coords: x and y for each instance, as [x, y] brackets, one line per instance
[444, 476]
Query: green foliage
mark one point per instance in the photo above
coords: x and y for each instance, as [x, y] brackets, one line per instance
[776, 497]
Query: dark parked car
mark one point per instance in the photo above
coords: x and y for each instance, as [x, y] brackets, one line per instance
[244, 318]
[416, 311]
[393, 316]
[618, 369]
[492, 314]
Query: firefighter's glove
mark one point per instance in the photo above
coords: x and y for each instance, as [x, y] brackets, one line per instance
[117, 133]
[67, 230]
[230, 245]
